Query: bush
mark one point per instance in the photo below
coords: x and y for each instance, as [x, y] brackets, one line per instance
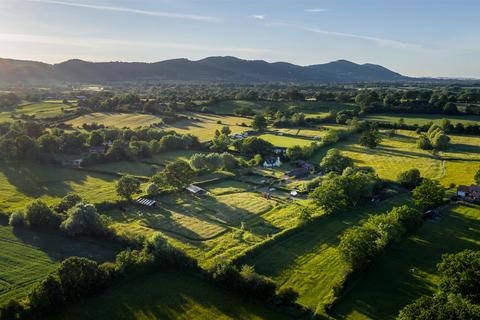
[83, 219]
[429, 194]
[287, 295]
[410, 178]
[17, 219]
[68, 202]
[38, 214]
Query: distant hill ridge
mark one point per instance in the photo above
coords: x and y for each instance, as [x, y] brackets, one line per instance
[212, 69]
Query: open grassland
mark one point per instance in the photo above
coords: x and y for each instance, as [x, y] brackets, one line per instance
[284, 141]
[27, 257]
[168, 295]
[23, 183]
[399, 153]
[308, 260]
[119, 120]
[310, 107]
[204, 125]
[40, 110]
[422, 119]
[408, 269]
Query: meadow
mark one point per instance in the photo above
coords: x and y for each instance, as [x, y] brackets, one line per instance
[423, 119]
[308, 261]
[399, 153]
[29, 256]
[120, 120]
[40, 110]
[172, 296]
[413, 264]
[21, 183]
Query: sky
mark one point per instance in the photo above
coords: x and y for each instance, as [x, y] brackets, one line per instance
[437, 38]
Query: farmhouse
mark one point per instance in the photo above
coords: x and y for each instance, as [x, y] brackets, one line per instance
[279, 150]
[272, 162]
[196, 190]
[469, 192]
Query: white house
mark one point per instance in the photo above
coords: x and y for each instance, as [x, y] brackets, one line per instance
[272, 162]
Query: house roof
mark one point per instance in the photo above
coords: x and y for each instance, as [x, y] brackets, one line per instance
[195, 189]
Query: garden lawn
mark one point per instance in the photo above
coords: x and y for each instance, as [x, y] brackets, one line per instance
[169, 295]
[408, 269]
[27, 257]
[308, 260]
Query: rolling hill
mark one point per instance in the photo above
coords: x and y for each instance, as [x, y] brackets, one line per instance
[212, 69]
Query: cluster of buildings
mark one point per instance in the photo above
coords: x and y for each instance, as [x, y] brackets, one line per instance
[471, 193]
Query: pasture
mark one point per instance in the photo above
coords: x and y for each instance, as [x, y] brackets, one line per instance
[285, 141]
[204, 125]
[423, 119]
[29, 256]
[308, 260]
[413, 264]
[169, 295]
[23, 183]
[120, 120]
[312, 108]
[42, 110]
[399, 153]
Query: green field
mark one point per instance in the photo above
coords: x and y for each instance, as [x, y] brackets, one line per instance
[284, 141]
[27, 257]
[399, 153]
[120, 120]
[204, 125]
[39, 110]
[408, 269]
[23, 183]
[309, 107]
[308, 260]
[422, 119]
[169, 295]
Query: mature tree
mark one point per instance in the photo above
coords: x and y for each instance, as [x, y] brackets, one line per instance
[450, 108]
[358, 246]
[477, 177]
[79, 277]
[46, 296]
[49, 143]
[226, 130]
[330, 196]
[295, 153]
[177, 174]
[83, 219]
[370, 138]
[127, 186]
[410, 178]
[221, 142]
[409, 217]
[460, 274]
[38, 213]
[259, 122]
[334, 161]
[253, 145]
[96, 138]
[152, 189]
[441, 307]
[429, 194]
[67, 202]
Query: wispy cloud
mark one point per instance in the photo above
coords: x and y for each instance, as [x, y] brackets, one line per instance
[133, 11]
[257, 16]
[98, 43]
[384, 42]
[316, 10]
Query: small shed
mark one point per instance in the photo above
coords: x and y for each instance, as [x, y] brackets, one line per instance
[196, 190]
[146, 202]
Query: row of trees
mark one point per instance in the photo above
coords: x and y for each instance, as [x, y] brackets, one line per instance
[458, 294]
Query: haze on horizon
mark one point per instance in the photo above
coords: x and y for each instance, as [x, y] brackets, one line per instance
[437, 38]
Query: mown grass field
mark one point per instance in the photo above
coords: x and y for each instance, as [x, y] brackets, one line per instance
[308, 260]
[169, 295]
[310, 107]
[40, 110]
[399, 153]
[204, 125]
[120, 120]
[408, 269]
[23, 183]
[27, 257]
[422, 119]
[285, 141]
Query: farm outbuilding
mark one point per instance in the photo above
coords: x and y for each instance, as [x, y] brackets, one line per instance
[146, 202]
[196, 190]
